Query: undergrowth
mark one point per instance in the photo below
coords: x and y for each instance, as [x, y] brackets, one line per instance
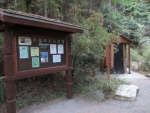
[40, 89]
[107, 86]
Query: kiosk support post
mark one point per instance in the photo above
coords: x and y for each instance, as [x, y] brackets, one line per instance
[69, 84]
[9, 71]
[69, 72]
[10, 93]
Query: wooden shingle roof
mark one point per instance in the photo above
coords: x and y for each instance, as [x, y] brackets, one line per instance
[125, 39]
[22, 18]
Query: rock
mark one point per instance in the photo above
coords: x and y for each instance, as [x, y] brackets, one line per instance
[126, 92]
[148, 75]
[98, 94]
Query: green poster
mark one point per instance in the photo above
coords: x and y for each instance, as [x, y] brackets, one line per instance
[35, 62]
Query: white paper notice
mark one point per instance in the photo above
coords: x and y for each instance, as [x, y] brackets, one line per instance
[56, 58]
[53, 49]
[24, 40]
[60, 49]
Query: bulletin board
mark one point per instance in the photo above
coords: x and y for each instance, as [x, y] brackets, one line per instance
[34, 46]
[35, 52]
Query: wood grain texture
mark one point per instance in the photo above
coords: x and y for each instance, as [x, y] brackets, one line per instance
[23, 21]
[8, 50]
[129, 59]
[9, 65]
[69, 84]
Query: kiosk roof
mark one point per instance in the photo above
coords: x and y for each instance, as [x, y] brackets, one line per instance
[28, 19]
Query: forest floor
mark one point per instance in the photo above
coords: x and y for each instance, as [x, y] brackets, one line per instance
[80, 104]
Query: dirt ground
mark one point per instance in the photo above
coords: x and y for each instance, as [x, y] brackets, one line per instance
[81, 104]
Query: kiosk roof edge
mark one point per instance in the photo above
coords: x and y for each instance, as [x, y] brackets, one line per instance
[17, 17]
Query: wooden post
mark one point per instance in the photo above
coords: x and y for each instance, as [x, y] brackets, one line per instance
[108, 61]
[69, 73]
[108, 72]
[10, 95]
[112, 55]
[124, 57]
[9, 71]
[69, 84]
[129, 58]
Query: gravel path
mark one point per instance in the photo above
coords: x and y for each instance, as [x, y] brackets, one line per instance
[82, 105]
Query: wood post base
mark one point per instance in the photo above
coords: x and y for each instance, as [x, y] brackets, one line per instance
[69, 84]
[11, 95]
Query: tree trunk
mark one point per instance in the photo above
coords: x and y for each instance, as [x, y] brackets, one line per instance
[110, 2]
[28, 2]
[91, 7]
[45, 8]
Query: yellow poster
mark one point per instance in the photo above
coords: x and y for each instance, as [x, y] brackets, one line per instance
[34, 51]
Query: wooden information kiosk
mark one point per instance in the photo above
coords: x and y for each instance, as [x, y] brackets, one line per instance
[34, 46]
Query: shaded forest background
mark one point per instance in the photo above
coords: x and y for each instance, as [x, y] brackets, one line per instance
[127, 17]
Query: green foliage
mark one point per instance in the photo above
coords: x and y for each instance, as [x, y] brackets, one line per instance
[116, 2]
[2, 92]
[142, 55]
[40, 89]
[1, 40]
[136, 25]
[146, 57]
[107, 86]
[6, 3]
[88, 49]
[135, 55]
[130, 18]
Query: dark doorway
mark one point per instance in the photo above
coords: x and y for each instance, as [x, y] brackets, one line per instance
[118, 60]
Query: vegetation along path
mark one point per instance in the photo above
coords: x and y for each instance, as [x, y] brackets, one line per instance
[82, 105]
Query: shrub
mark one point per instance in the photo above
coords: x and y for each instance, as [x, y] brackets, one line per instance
[146, 57]
[88, 49]
[40, 89]
[135, 56]
[142, 55]
[107, 86]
